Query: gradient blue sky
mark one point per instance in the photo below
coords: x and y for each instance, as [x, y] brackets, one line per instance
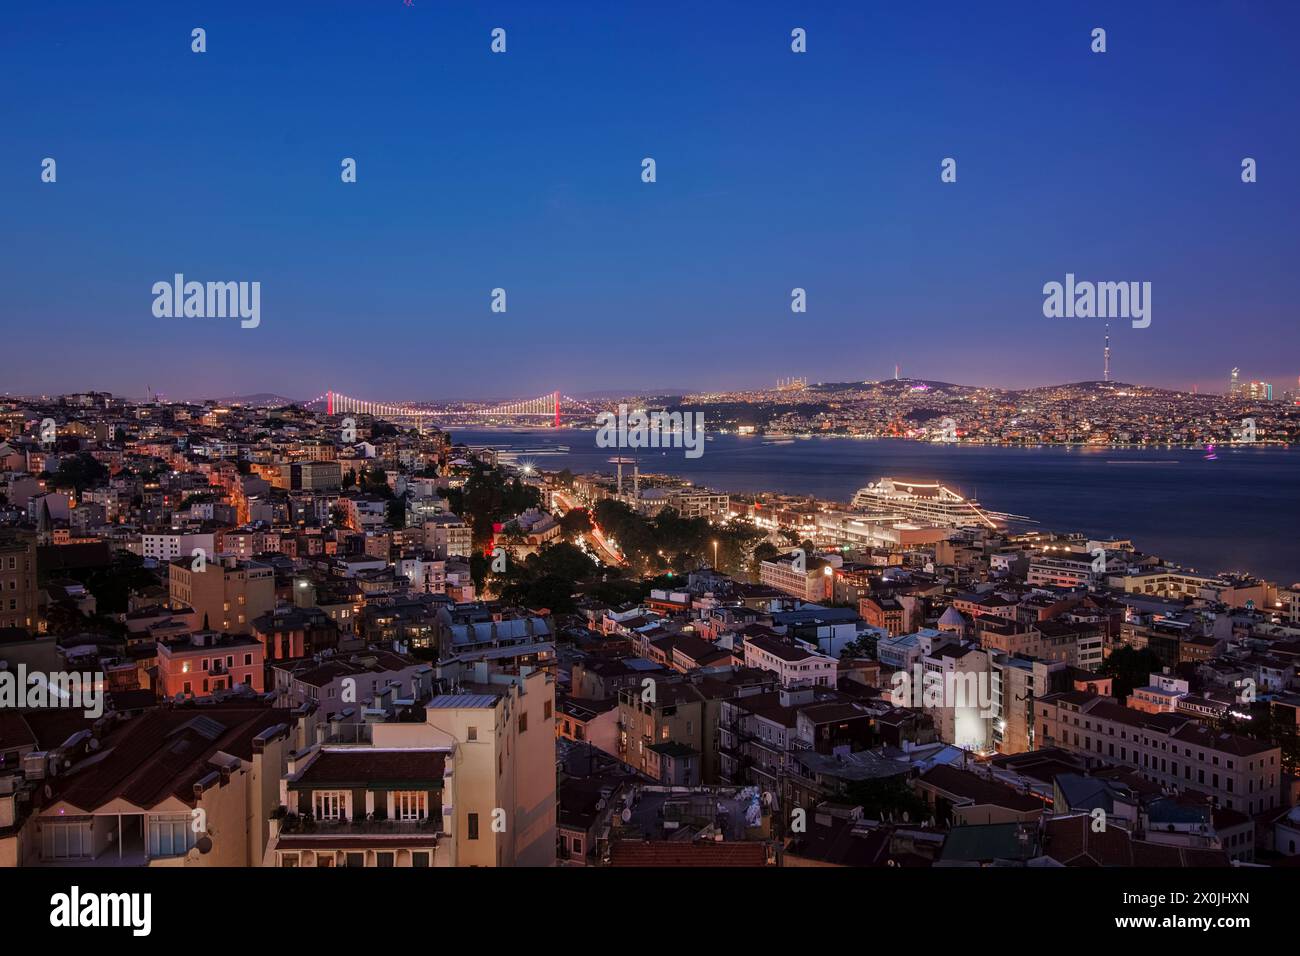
[523, 171]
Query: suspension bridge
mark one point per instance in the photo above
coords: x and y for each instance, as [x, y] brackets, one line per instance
[554, 406]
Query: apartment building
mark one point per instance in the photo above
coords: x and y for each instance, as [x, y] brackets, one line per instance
[295, 632]
[1169, 583]
[795, 665]
[963, 707]
[473, 784]
[228, 593]
[447, 536]
[1017, 682]
[18, 594]
[815, 582]
[1076, 644]
[1160, 696]
[1167, 749]
[207, 662]
[183, 786]
[760, 734]
[173, 544]
[662, 711]
[335, 682]
[1060, 571]
[311, 475]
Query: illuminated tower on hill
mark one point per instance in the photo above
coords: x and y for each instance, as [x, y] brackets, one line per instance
[1105, 357]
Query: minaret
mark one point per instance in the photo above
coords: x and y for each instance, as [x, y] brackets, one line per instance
[1105, 362]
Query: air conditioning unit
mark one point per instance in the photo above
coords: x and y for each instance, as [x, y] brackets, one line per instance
[34, 764]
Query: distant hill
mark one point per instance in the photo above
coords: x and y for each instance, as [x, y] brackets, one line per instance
[261, 399]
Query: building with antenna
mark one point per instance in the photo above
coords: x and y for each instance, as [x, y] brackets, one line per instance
[1105, 357]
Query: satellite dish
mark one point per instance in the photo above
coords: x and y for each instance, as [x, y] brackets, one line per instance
[49, 791]
[203, 845]
[626, 815]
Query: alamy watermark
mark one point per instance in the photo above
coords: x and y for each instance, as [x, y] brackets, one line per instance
[209, 300]
[38, 690]
[642, 429]
[922, 689]
[1098, 300]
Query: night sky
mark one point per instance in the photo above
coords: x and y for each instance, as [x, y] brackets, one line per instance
[523, 171]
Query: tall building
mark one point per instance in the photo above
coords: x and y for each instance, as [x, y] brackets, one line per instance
[173, 787]
[447, 536]
[316, 475]
[1170, 750]
[1259, 391]
[227, 593]
[473, 784]
[814, 582]
[18, 580]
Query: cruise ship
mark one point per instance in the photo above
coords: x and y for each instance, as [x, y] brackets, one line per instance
[928, 502]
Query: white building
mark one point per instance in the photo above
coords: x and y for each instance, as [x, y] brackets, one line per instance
[795, 664]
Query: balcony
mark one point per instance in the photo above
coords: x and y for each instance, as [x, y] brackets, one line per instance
[306, 826]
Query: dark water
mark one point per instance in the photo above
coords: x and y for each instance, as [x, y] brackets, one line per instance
[1238, 512]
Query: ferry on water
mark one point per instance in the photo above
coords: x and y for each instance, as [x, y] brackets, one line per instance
[928, 501]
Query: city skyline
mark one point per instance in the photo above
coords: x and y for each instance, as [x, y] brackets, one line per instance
[261, 395]
[522, 171]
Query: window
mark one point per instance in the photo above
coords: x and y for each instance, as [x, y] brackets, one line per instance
[384, 858]
[546, 709]
[170, 835]
[355, 860]
[67, 840]
[473, 827]
[420, 859]
[328, 804]
[410, 804]
[289, 861]
[523, 721]
[473, 733]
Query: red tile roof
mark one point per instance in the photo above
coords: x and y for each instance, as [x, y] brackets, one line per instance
[165, 752]
[700, 853]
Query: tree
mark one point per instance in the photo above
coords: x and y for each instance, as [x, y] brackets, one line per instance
[765, 551]
[575, 522]
[549, 591]
[112, 585]
[1130, 668]
[80, 471]
[562, 560]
